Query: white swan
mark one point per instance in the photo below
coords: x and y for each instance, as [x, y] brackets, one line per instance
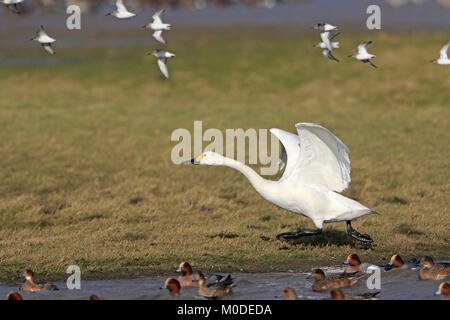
[318, 167]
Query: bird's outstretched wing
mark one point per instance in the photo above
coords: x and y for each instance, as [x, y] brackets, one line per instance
[315, 157]
[369, 63]
[362, 47]
[327, 53]
[157, 16]
[325, 36]
[48, 48]
[158, 36]
[444, 51]
[334, 35]
[120, 6]
[162, 63]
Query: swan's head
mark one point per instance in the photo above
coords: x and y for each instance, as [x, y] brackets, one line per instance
[207, 158]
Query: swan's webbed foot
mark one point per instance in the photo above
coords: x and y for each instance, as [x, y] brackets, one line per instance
[365, 238]
[298, 234]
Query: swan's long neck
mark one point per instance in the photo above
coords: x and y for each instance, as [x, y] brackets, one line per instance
[260, 184]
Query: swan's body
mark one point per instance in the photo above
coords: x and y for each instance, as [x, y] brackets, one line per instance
[363, 55]
[121, 11]
[443, 58]
[318, 167]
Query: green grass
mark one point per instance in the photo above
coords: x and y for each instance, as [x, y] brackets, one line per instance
[86, 176]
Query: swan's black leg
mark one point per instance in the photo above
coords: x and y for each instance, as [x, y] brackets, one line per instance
[298, 234]
[358, 236]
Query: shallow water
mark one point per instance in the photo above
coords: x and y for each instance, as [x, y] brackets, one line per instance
[395, 284]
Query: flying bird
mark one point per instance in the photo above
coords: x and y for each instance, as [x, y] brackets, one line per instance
[44, 40]
[157, 25]
[324, 27]
[121, 11]
[443, 59]
[333, 45]
[363, 55]
[12, 5]
[162, 57]
[317, 169]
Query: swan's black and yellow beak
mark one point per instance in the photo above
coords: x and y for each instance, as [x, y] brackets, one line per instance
[194, 160]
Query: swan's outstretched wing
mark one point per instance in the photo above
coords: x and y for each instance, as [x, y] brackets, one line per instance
[444, 51]
[290, 150]
[324, 159]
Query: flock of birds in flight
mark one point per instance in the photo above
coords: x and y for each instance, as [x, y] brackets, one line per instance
[214, 286]
[328, 33]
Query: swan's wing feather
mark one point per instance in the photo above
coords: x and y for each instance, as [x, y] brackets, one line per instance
[324, 159]
[290, 150]
[163, 67]
[444, 51]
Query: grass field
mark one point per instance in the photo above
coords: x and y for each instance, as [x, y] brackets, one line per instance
[86, 176]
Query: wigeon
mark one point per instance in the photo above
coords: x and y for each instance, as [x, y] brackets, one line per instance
[354, 265]
[290, 294]
[213, 290]
[187, 276]
[30, 286]
[337, 281]
[444, 291]
[337, 294]
[14, 296]
[433, 271]
[173, 285]
[397, 263]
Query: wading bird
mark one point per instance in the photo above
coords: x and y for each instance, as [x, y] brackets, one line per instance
[121, 11]
[44, 40]
[318, 167]
[162, 57]
[158, 26]
[443, 59]
[363, 55]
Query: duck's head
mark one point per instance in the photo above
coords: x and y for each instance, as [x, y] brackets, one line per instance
[427, 262]
[14, 296]
[28, 274]
[444, 289]
[289, 294]
[396, 262]
[318, 274]
[207, 158]
[337, 294]
[185, 268]
[173, 285]
[201, 278]
[353, 260]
